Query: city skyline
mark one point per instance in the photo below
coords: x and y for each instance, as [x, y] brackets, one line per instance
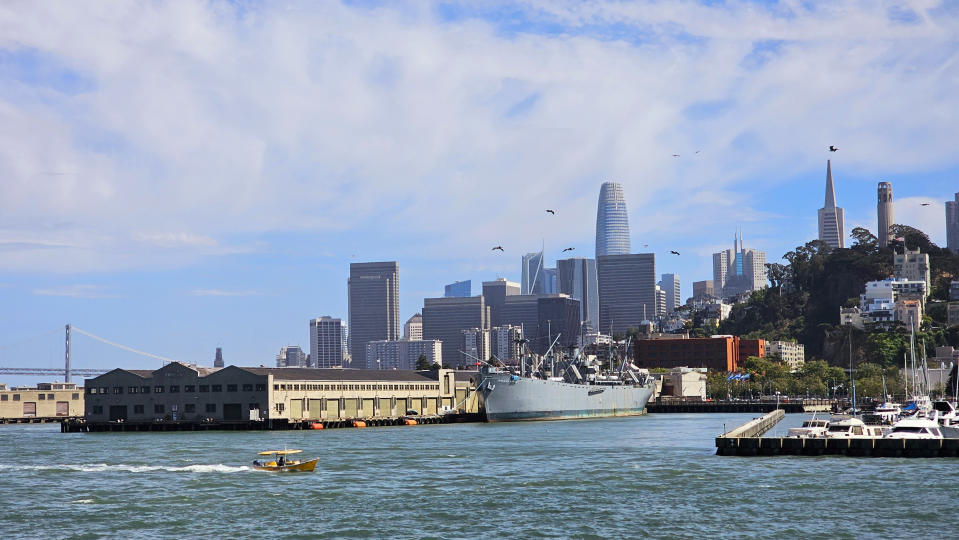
[195, 222]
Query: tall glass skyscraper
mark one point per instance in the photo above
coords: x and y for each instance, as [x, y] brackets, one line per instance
[612, 221]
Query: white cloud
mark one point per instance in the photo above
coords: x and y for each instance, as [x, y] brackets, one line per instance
[77, 291]
[225, 121]
[223, 292]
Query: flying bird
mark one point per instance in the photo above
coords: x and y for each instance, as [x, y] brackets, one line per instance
[497, 247]
[551, 211]
[569, 249]
[674, 252]
[924, 204]
[675, 155]
[832, 148]
[698, 151]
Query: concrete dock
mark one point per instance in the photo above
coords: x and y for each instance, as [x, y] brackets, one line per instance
[278, 424]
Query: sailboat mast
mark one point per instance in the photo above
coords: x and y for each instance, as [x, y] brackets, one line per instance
[852, 374]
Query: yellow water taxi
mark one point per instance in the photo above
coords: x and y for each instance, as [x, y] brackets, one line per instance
[280, 463]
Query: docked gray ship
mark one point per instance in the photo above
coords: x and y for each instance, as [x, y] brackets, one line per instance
[560, 389]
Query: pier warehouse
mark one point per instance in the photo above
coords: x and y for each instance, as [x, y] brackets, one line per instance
[44, 402]
[181, 393]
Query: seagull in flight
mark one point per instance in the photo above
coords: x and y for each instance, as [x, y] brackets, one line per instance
[497, 247]
[924, 204]
[675, 155]
[569, 249]
[551, 211]
[832, 148]
[674, 252]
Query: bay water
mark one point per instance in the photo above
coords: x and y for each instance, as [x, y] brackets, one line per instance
[649, 476]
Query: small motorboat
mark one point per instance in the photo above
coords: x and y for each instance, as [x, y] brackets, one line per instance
[280, 463]
[915, 427]
[812, 428]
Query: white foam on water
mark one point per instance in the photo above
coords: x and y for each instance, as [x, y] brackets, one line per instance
[101, 467]
[82, 501]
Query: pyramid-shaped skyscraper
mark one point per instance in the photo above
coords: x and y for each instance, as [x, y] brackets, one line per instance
[831, 216]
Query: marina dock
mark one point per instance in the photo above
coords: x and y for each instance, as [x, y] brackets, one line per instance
[745, 440]
[278, 424]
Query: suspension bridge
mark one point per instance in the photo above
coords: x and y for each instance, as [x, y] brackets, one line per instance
[68, 371]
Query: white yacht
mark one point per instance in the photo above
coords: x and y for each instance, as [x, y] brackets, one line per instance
[812, 428]
[945, 412]
[914, 427]
[852, 428]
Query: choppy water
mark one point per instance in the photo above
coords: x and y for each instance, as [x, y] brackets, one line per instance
[633, 477]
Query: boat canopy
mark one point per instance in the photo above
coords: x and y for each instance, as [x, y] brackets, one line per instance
[279, 452]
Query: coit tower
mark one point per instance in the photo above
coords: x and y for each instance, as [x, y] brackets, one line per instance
[884, 209]
[612, 222]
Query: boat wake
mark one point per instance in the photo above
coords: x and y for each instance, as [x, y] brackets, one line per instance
[103, 467]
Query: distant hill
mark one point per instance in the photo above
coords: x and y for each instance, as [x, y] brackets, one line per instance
[805, 295]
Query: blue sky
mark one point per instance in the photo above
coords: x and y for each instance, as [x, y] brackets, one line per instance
[182, 176]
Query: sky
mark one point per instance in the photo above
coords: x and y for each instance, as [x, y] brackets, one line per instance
[184, 175]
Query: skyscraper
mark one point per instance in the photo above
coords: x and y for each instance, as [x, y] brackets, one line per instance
[831, 224]
[374, 305]
[627, 290]
[532, 273]
[612, 221]
[670, 285]
[885, 212]
[413, 329]
[459, 289]
[952, 225]
[328, 340]
[495, 293]
[738, 270]
[577, 278]
[292, 356]
[446, 318]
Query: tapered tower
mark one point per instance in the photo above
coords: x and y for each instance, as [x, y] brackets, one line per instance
[831, 226]
[884, 209]
[612, 221]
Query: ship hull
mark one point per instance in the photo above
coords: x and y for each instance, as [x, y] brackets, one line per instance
[508, 398]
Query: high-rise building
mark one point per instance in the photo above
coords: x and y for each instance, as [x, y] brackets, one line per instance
[557, 316]
[738, 270]
[885, 212]
[612, 221]
[505, 344]
[374, 304]
[459, 289]
[402, 354]
[218, 359]
[548, 282]
[912, 266]
[627, 290]
[660, 302]
[445, 319]
[292, 356]
[952, 225]
[532, 273]
[577, 278]
[831, 224]
[702, 289]
[475, 344]
[670, 285]
[413, 329]
[495, 293]
[328, 339]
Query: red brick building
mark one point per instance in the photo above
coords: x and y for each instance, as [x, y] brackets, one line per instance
[721, 353]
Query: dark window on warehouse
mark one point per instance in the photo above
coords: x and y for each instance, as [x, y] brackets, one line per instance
[144, 389]
[189, 407]
[138, 409]
[211, 407]
[174, 388]
[204, 387]
[217, 387]
[261, 388]
[231, 388]
[158, 409]
[158, 389]
[247, 387]
[189, 388]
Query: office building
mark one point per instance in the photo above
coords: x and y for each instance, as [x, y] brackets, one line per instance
[912, 266]
[627, 291]
[218, 358]
[952, 224]
[532, 273]
[612, 221]
[831, 224]
[495, 293]
[738, 270]
[549, 281]
[328, 342]
[557, 316]
[445, 319]
[505, 344]
[703, 289]
[292, 356]
[669, 283]
[459, 289]
[522, 310]
[374, 305]
[577, 278]
[475, 345]
[413, 329]
[885, 213]
[660, 303]
[792, 354]
[402, 354]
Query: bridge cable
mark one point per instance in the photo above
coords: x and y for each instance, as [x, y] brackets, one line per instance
[119, 346]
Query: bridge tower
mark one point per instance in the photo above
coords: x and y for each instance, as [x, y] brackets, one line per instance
[66, 368]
